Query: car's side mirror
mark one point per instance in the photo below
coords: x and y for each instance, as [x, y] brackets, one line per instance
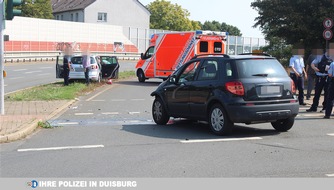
[142, 56]
[172, 79]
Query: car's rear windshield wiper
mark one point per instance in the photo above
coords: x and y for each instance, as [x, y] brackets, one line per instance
[260, 75]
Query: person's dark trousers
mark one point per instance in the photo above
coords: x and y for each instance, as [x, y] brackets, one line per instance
[299, 83]
[330, 98]
[66, 75]
[320, 85]
[87, 76]
[310, 85]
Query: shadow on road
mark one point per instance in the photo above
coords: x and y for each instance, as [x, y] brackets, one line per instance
[187, 130]
[136, 83]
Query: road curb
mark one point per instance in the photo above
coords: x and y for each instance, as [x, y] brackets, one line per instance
[29, 129]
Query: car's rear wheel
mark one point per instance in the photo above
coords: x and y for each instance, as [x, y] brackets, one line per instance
[159, 112]
[141, 76]
[283, 125]
[219, 123]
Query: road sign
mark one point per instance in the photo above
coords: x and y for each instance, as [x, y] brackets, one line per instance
[328, 34]
[328, 23]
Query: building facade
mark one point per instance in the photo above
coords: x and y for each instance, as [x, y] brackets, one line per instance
[129, 13]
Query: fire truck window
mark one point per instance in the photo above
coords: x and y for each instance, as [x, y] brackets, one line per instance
[217, 47]
[204, 47]
[149, 52]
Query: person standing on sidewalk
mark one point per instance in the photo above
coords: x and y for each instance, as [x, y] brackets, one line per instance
[298, 74]
[310, 74]
[319, 65]
[330, 97]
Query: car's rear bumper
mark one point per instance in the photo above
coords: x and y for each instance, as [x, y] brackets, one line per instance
[252, 113]
[94, 76]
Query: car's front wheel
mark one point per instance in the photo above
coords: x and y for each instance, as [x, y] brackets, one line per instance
[219, 123]
[141, 76]
[283, 125]
[159, 112]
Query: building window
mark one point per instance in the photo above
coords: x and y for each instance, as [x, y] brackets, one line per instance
[72, 18]
[57, 17]
[77, 17]
[102, 17]
[61, 17]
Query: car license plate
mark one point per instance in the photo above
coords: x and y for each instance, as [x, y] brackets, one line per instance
[270, 90]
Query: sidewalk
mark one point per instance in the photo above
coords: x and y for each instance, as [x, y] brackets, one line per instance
[21, 117]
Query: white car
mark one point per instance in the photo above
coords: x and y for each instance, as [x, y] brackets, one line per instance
[100, 67]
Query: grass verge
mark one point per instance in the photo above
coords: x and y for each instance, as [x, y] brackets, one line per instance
[57, 91]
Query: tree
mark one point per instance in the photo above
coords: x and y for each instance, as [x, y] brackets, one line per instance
[37, 9]
[232, 30]
[168, 16]
[294, 21]
[223, 27]
[213, 26]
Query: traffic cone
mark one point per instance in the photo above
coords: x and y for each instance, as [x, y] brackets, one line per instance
[109, 81]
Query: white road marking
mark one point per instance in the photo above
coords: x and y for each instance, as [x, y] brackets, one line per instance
[61, 148]
[91, 98]
[134, 112]
[110, 113]
[331, 134]
[44, 74]
[311, 115]
[46, 67]
[84, 114]
[118, 100]
[30, 72]
[330, 175]
[69, 123]
[20, 70]
[220, 140]
[14, 78]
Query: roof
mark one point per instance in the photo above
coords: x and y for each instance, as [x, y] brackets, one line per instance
[59, 6]
[69, 5]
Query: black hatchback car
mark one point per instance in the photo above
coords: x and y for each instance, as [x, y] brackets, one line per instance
[224, 90]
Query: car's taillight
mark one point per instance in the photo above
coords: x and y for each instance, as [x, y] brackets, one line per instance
[95, 67]
[235, 88]
[293, 87]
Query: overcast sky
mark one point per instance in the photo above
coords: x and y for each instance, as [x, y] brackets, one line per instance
[233, 12]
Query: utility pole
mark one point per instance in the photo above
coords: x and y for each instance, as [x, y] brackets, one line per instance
[2, 82]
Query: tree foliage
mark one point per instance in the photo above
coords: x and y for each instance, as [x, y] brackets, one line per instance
[223, 27]
[293, 21]
[168, 16]
[37, 9]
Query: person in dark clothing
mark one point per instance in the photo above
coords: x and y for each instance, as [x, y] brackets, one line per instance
[330, 97]
[67, 65]
[319, 65]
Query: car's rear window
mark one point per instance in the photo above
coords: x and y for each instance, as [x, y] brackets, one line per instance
[260, 67]
[78, 60]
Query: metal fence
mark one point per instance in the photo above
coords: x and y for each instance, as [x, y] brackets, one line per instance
[140, 38]
[235, 44]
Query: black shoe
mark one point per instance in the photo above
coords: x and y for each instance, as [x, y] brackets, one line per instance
[311, 110]
[323, 110]
[326, 117]
[302, 104]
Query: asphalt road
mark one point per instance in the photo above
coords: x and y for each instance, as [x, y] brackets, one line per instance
[110, 133]
[26, 75]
